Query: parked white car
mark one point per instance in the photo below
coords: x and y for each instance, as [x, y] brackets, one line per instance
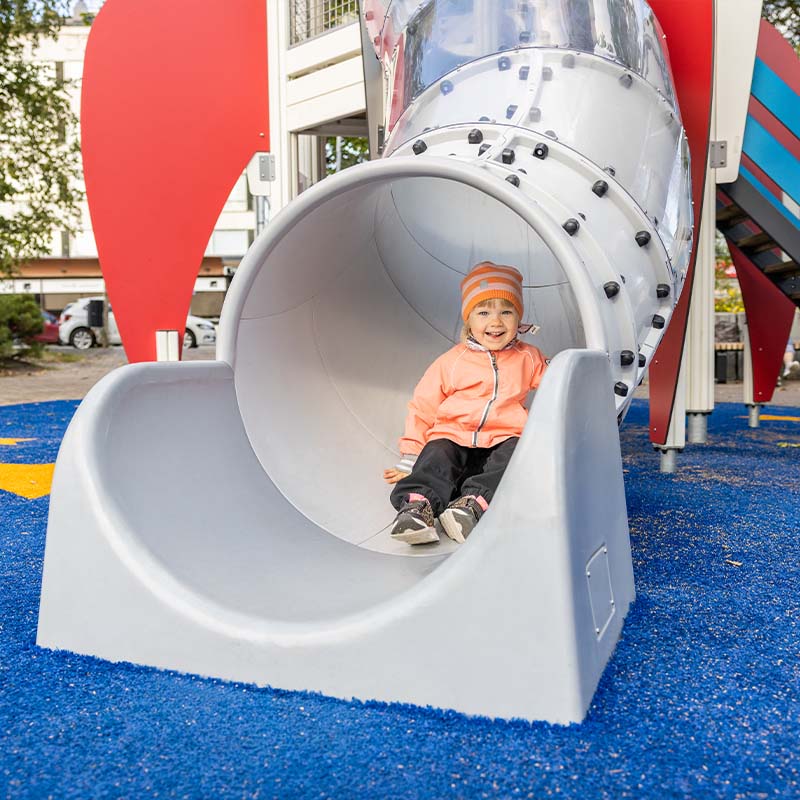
[74, 327]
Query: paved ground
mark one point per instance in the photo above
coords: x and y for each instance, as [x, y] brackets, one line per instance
[700, 701]
[71, 380]
[788, 394]
[68, 380]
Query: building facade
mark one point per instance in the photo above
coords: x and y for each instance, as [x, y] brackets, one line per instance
[316, 92]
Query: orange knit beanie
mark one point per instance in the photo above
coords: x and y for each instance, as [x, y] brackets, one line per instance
[488, 281]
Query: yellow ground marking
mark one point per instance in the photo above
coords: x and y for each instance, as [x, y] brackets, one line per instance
[13, 442]
[774, 418]
[27, 480]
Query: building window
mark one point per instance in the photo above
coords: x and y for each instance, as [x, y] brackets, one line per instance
[228, 243]
[238, 198]
[310, 18]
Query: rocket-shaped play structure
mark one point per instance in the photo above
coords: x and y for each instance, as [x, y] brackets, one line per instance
[539, 134]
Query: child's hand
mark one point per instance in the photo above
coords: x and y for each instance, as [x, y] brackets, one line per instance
[393, 475]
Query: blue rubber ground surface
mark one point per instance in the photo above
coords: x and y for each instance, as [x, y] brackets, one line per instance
[700, 699]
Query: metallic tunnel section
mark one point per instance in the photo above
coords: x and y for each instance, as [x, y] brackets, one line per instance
[349, 308]
[591, 75]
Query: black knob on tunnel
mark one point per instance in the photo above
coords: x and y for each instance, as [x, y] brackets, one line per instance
[611, 288]
[642, 238]
[600, 188]
[626, 358]
[662, 291]
[658, 321]
[419, 147]
[571, 226]
[508, 156]
[621, 389]
[513, 180]
[475, 136]
[541, 150]
[642, 359]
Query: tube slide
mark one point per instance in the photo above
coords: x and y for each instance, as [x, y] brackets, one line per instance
[280, 569]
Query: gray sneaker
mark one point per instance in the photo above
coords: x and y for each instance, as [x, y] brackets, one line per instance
[460, 517]
[414, 523]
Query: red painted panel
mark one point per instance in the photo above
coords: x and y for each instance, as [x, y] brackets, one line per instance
[374, 14]
[770, 314]
[398, 102]
[689, 28]
[174, 103]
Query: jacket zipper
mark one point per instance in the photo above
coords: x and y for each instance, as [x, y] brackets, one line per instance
[493, 359]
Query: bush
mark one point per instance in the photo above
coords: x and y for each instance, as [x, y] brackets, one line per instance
[20, 321]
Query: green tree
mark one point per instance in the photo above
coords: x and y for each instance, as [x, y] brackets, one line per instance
[727, 293]
[351, 150]
[39, 151]
[785, 16]
[20, 321]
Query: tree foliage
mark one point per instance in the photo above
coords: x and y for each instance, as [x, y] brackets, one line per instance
[785, 16]
[352, 150]
[39, 152]
[20, 321]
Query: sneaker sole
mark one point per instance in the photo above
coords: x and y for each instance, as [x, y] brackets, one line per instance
[421, 536]
[451, 526]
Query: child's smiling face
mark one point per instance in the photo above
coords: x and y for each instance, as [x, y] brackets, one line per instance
[493, 323]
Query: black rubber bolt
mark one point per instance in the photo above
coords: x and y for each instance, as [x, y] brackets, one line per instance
[508, 156]
[658, 321]
[600, 188]
[621, 389]
[626, 358]
[541, 150]
[642, 238]
[419, 147]
[571, 226]
[662, 291]
[475, 136]
[611, 289]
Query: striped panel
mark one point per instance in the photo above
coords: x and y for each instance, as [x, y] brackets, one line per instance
[778, 55]
[775, 126]
[762, 176]
[776, 95]
[756, 184]
[766, 151]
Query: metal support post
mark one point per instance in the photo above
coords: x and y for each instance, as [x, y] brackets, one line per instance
[753, 408]
[699, 353]
[676, 438]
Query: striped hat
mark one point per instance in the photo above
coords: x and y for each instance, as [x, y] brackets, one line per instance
[488, 281]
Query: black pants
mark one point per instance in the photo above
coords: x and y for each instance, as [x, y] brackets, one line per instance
[445, 470]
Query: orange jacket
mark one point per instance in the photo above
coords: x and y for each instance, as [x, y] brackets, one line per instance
[473, 397]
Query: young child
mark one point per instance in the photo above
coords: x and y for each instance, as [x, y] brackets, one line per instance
[467, 413]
